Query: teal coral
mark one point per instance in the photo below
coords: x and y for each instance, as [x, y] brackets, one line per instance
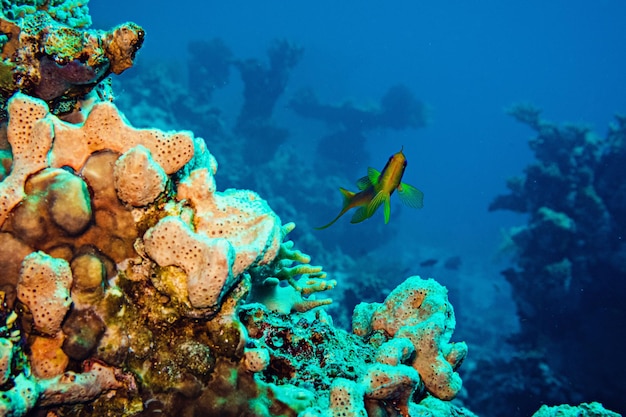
[583, 410]
[74, 13]
[302, 280]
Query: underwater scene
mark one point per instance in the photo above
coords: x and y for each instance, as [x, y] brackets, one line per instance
[326, 209]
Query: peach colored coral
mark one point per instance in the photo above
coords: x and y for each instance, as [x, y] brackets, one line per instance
[39, 140]
[44, 287]
[106, 128]
[240, 216]
[138, 178]
[206, 262]
[30, 134]
[418, 310]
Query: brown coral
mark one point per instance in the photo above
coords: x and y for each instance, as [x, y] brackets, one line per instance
[59, 63]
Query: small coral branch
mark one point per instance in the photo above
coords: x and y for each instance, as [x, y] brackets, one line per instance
[303, 280]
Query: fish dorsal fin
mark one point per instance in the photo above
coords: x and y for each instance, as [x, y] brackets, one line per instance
[364, 183]
[373, 175]
[359, 215]
[411, 196]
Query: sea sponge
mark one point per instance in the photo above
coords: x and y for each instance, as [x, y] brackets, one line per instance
[46, 357]
[391, 384]
[256, 359]
[139, 179]
[31, 131]
[240, 216]
[346, 399]
[207, 262]
[30, 140]
[419, 310]
[44, 287]
[6, 357]
[106, 129]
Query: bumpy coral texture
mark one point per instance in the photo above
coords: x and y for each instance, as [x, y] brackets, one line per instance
[73, 13]
[72, 208]
[207, 262]
[44, 287]
[418, 310]
[240, 216]
[47, 53]
[32, 129]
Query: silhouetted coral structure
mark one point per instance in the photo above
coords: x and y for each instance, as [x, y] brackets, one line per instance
[570, 275]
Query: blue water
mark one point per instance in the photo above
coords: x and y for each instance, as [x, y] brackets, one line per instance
[467, 62]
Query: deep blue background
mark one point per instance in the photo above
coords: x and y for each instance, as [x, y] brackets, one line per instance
[468, 62]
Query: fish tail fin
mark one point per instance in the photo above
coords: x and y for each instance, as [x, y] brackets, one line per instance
[347, 197]
[410, 195]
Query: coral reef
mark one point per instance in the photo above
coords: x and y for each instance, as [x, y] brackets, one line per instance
[582, 410]
[48, 53]
[132, 286]
[71, 13]
[143, 281]
[417, 311]
[569, 276]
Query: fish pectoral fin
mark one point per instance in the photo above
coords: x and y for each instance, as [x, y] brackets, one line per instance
[373, 175]
[359, 215]
[411, 196]
[380, 198]
[363, 183]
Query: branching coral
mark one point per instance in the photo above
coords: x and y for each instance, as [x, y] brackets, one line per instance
[266, 280]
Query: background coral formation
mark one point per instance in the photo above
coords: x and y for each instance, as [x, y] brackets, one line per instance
[573, 251]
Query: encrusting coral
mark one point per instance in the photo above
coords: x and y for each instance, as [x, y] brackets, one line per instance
[418, 311]
[48, 53]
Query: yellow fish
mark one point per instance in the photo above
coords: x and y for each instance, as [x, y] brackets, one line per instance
[376, 189]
